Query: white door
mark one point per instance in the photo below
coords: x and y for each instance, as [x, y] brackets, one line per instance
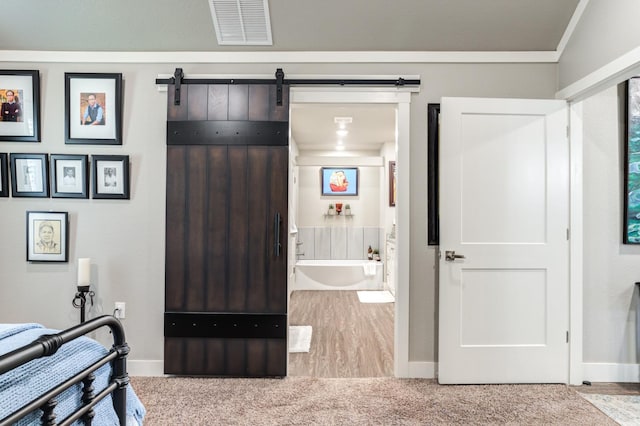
[504, 206]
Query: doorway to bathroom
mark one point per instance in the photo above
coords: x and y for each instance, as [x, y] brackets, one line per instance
[352, 334]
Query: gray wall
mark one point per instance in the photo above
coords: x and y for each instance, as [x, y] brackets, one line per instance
[607, 30]
[610, 267]
[125, 239]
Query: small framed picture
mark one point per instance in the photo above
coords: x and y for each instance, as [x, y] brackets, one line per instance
[4, 175]
[93, 108]
[110, 176]
[69, 176]
[29, 175]
[339, 181]
[392, 183]
[20, 111]
[47, 236]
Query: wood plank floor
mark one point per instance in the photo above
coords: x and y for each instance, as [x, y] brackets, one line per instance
[349, 338]
[610, 388]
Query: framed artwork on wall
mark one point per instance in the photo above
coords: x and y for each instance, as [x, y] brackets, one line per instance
[392, 183]
[93, 108]
[110, 176]
[29, 175]
[339, 180]
[69, 176]
[20, 110]
[47, 236]
[631, 220]
[4, 175]
[433, 203]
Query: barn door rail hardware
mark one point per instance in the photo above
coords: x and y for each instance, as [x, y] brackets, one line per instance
[178, 80]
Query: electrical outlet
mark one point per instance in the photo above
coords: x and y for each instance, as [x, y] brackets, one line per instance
[119, 311]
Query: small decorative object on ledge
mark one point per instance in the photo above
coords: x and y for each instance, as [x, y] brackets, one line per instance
[331, 211]
[347, 209]
[376, 255]
[338, 208]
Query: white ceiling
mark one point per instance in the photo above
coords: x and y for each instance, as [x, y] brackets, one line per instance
[297, 25]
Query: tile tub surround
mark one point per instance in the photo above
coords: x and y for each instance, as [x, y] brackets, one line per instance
[337, 243]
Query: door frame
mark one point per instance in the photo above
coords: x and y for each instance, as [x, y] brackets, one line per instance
[401, 97]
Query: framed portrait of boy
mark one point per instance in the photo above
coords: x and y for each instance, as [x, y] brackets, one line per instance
[29, 175]
[69, 176]
[93, 108]
[47, 236]
[110, 176]
[20, 105]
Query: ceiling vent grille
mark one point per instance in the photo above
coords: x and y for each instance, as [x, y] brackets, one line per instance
[241, 22]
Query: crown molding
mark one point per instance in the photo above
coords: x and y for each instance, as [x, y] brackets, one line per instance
[8, 56]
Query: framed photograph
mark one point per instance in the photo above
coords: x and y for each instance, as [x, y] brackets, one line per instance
[339, 180]
[392, 183]
[4, 175]
[47, 236]
[110, 176]
[433, 200]
[69, 176]
[631, 234]
[20, 111]
[29, 175]
[93, 108]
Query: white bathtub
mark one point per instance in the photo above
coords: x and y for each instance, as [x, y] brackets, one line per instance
[337, 275]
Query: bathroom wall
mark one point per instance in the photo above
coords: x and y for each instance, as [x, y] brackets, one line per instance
[340, 236]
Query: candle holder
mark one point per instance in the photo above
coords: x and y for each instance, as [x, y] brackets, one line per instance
[80, 300]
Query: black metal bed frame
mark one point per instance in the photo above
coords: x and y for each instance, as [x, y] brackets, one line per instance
[47, 345]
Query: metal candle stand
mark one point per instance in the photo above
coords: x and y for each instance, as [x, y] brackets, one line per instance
[80, 300]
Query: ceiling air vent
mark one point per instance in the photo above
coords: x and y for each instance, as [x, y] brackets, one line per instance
[241, 22]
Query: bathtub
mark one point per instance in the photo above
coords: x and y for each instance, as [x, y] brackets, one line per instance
[337, 275]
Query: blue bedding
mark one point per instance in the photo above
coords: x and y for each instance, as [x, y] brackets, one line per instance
[25, 383]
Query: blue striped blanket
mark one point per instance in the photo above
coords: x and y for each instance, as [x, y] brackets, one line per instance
[25, 383]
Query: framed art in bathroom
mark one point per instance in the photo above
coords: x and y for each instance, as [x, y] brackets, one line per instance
[339, 180]
[20, 111]
[631, 220]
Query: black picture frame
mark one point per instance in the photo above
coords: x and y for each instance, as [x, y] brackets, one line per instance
[103, 126]
[433, 203]
[110, 177]
[4, 175]
[29, 175]
[631, 215]
[47, 236]
[20, 119]
[69, 176]
[348, 185]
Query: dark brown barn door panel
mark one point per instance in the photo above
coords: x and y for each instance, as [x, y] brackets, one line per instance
[226, 232]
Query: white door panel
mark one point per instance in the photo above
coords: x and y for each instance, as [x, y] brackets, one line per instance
[504, 207]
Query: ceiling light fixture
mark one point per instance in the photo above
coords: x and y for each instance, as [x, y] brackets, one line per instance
[342, 132]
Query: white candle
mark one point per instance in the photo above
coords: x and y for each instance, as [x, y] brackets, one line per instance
[84, 271]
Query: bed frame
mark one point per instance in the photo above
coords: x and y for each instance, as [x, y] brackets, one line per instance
[47, 345]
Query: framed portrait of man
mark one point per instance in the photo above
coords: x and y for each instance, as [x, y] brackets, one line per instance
[47, 236]
[93, 108]
[20, 106]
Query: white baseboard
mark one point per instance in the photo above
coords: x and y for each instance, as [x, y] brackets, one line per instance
[422, 369]
[606, 372]
[144, 367]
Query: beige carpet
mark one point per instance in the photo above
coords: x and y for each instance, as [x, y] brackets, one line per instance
[375, 401]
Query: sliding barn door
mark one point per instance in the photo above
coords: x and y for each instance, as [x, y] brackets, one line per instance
[226, 231]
